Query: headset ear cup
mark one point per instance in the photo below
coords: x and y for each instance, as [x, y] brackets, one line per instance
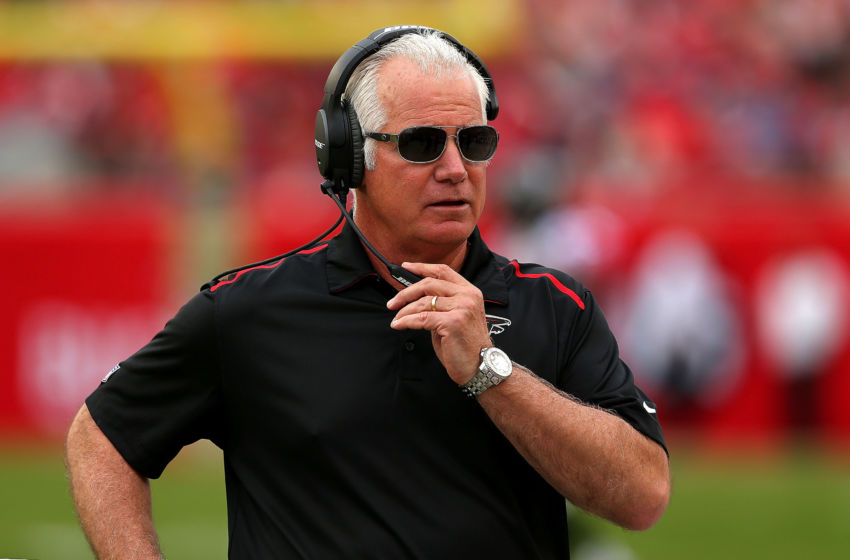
[357, 157]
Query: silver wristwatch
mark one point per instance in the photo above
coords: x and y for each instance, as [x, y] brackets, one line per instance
[495, 367]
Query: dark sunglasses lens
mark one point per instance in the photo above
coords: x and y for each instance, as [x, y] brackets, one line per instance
[421, 144]
[478, 143]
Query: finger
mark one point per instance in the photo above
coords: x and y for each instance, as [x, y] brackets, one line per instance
[438, 271]
[438, 279]
[422, 305]
[427, 287]
[418, 315]
[415, 319]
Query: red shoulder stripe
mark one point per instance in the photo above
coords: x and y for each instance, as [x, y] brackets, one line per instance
[272, 265]
[557, 283]
[313, 250]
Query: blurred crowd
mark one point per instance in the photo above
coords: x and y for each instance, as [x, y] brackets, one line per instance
[629, 93]
[171, 127]
[640, 94]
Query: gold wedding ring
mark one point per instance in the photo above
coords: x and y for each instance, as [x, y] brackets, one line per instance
[434, 303]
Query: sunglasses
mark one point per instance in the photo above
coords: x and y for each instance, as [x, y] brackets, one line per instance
[424, 144]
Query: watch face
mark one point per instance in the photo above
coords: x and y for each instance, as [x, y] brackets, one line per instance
[498, 361]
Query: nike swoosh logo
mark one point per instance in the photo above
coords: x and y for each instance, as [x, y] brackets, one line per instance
[648, 408]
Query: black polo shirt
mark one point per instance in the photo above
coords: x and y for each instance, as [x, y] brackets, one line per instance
[344, 438]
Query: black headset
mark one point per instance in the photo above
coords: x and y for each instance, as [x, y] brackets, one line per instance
[339, 140]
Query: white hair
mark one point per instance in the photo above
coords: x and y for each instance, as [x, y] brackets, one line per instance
[432, 54]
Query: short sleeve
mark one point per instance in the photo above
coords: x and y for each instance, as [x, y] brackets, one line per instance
[167, 395]
[594, 372]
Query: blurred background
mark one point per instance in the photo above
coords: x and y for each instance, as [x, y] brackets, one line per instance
[689, 161]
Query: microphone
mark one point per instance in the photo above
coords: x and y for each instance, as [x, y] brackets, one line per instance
[404, 277]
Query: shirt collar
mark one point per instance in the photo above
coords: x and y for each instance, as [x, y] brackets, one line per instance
[348, 264]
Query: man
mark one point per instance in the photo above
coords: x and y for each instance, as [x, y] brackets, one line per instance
[337, 393]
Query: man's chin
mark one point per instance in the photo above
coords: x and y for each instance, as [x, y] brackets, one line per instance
[448, 234]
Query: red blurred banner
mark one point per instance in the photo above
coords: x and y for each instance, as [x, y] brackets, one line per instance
[83, 286]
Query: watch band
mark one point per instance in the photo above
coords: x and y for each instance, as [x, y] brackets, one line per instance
[477, 385]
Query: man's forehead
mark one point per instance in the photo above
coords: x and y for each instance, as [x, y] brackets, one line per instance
[408, 92]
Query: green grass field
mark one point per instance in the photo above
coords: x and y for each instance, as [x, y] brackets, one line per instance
[777, 506]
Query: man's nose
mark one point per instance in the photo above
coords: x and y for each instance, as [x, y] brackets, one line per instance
[451, 166]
